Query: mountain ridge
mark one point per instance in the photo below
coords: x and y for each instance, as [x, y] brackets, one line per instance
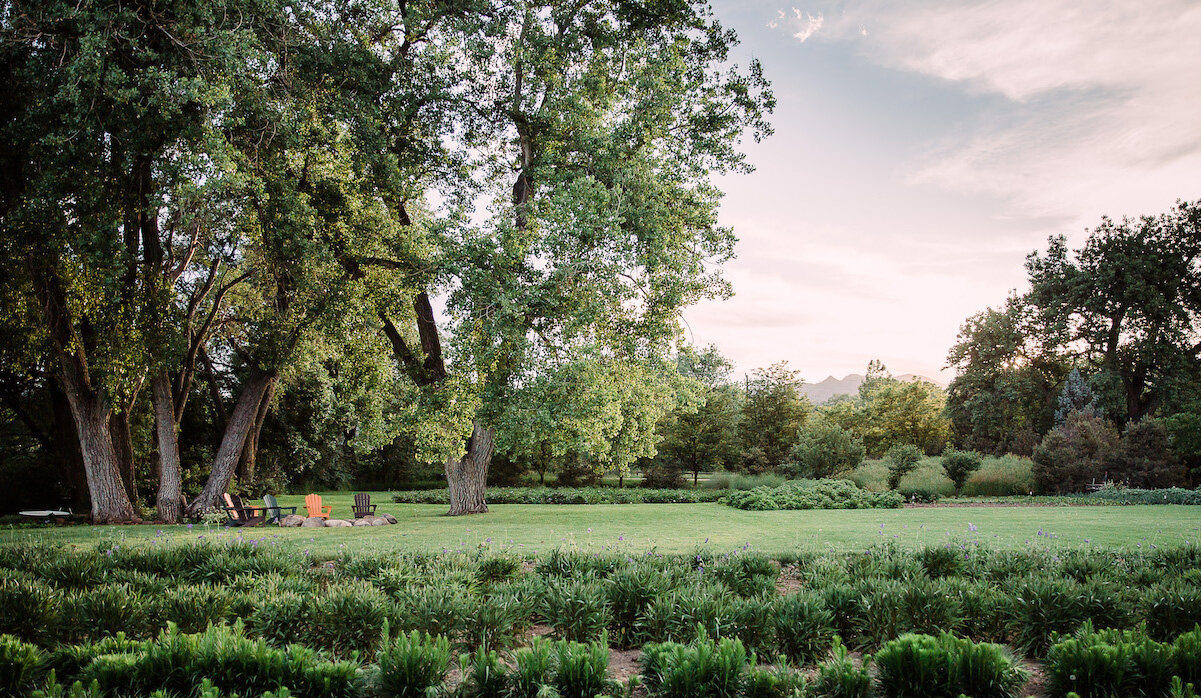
[830, 386]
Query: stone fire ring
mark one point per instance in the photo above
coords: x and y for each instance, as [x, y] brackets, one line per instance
[293, 520]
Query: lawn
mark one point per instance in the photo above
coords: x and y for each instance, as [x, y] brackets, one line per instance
[679, 528]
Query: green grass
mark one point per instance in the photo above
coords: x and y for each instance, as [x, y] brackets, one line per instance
[679, 528]
[1005, 475]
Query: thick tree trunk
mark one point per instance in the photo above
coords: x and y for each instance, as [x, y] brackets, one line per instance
[66, 451]
[170, 485]
[249, 458]
[110, 503]
[240, 423]
[467, 477]
[118, 427]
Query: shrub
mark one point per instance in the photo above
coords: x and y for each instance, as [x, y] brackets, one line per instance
[915, 666]
[27, 607]
[630, 592]
[21, 665]
[703, 668]
[1144, 457]
[484, 675]
[1186, 655]
[283, 619]
[777, 683]
[1043, 608]
[571, 495]
[532, 669]
[901, 459]
[581, 670]
[840, 678]
[105, 610]
[825, 449]
[497, 568]
[412, 665]
[804, 627]
[1108, 663]
[959, 465]
[812, 494]
[343, 615]
[746, 574]
[193, 608]
[1117, 495]
[577, 610]
[1073, 454]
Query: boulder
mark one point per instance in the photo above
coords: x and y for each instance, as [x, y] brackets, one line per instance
[313, 522]
[292, 520]
[390, 518]
[336, 523]
[362, 522]
[379, 522]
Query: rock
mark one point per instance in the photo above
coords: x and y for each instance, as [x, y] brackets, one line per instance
[362, 522]
[390, 518]
[336, 523]
[379, 522]
[313, 522]
[292, 520]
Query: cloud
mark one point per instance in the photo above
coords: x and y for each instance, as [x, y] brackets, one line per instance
[1099, 104]
[802, 25]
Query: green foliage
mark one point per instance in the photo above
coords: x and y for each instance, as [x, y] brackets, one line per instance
[825, 449]
[1074, 454]
[804, 627]
[840, 678]
[21, 665]
[1145, 459]
[577, 610]
[772, 415]
[959, 465]
[581, 670]
[411, 665]
[902, 459]
[818, 494]
[570, 495]
[533, 670]
[484, 675]
[913, 666]
[702, 668]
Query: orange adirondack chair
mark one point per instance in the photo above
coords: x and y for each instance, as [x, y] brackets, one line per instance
[313, 504]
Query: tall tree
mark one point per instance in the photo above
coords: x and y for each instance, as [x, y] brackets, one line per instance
[1127, 304]
[772, 415]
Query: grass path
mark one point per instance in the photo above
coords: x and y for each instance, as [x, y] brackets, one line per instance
[679, 528]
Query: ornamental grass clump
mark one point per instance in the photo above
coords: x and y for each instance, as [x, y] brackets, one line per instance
[576, 610]
[804, 627]
[413, 665]
[917, 666]
[581, 670]
[838, 677]
[702, 669]
[630, 592]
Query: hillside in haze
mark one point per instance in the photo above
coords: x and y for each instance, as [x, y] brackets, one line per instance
[831, 386]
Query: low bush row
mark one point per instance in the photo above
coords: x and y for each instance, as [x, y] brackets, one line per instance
[1168, 495]
[571, 495]
[813, 494]
[115, 598]
[1122, 663]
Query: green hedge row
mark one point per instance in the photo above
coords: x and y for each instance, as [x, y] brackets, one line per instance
[570, 495]
[813, 494]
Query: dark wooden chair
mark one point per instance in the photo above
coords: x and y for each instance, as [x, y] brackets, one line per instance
[240, 515]
[274, 511]
[362, 505]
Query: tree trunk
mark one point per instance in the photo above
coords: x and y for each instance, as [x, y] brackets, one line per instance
[110, 503]
[467, 477]
[240, 423]
[170, 485]
[249, 458]
[118, 427]
[66, 450]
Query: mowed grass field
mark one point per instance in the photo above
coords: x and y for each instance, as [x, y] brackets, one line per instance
[529, 529]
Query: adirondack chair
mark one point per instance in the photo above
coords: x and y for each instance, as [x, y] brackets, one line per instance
[362, 505]
[312, 504]
[274, 511]
[240, 515]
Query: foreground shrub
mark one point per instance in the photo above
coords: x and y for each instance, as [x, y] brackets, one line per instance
[1108, 663]
[915, 666]
[532, 669]
[577, 610]
[804, 627]
[413, 665]
[581, 670]
[21, 665]
[178, 663]
[484, 675]
[812, 494]
[840, 678]
[703, 668]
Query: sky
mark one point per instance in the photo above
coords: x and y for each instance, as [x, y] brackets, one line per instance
[923, 149]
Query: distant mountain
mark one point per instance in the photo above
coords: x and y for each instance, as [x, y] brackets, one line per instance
[849, 385]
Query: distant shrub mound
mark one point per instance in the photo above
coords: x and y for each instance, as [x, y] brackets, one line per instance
[812, 494]
[570, 495]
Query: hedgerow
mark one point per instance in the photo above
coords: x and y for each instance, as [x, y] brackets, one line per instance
[813, 494]
[571, 495]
